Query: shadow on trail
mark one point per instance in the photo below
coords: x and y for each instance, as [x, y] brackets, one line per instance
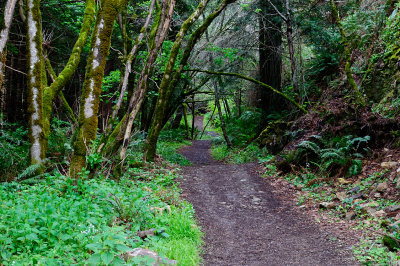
[244, 222]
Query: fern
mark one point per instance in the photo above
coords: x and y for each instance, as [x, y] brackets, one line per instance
[357, 140]
[340, 151]
[332, 155]
[355, 167]
[32, 171]
[33, 180]
[310, 146]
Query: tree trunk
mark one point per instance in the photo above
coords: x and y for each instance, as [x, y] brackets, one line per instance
[35, 82]
[4, 30]
[193, 117]
[138, 43]
[141, 89]
[168, 86]
[347, 55]
[289, 35]
[221, 117]
[270, 57]
[178, 117]
[88, 120]
[66, 74]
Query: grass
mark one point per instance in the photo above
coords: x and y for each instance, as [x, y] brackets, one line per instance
[251, 153]
[184, 238]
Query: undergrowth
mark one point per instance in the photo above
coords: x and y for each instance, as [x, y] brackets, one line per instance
[168, 144]
[55, 220]
[236, 155]
[94, 221]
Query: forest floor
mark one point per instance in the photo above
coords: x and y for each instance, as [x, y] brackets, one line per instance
[247, 221]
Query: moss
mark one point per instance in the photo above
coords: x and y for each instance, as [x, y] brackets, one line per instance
[35, 84]
[164, 91]
[88, 120]
[347, 55]
[53, 90]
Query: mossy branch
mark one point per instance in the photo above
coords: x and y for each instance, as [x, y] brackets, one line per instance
[347, 54]
[167, 84]
[65, 75]
[66, 105]
[254, 81]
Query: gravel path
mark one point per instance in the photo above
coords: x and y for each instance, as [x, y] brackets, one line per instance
[245, 223]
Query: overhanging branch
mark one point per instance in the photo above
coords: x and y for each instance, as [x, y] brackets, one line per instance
[254, 81]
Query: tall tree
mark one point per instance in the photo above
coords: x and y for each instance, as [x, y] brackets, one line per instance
[171, 77]
[90, 99]
[270, 55]
[35, 81]
[347, 55]
[5, 24]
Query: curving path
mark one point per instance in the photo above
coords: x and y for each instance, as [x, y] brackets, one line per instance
[245, 223]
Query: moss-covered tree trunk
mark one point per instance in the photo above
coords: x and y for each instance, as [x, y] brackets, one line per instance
[89, 105]
[67, 107]
[58, 82]
[137, 98]
[347, 56]
[5, 23]
[128, 68]
[35, 81]
[171, 79]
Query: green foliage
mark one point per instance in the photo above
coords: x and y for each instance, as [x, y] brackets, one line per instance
[250, 153]
[370, 253]
[340, 152]
[184, 239]
[224, 55]
[92, 221]
[110, 86]
[391, 33]
[59, 146]
[244, 128]
[13, 150]
[169, 142]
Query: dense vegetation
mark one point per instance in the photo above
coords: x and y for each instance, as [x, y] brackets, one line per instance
[93, 93]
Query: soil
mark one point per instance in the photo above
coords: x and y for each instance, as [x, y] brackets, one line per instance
[246, 221]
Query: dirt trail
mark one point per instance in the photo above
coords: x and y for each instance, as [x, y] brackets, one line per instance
[245, 223]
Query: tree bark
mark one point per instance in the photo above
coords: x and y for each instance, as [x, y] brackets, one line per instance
[65, 75]
[141, 89]
[289, 37]
[138, 43]
[4, 30]
[358, 97]
[178, 117]
[221, 117]
[167, 85]
[89, 105]
[35, 82]
[270, 57]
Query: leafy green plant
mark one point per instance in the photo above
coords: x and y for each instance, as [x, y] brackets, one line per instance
[338, 153]
[250, 153]
[243, 128]
[93, 221]
[13, 150]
